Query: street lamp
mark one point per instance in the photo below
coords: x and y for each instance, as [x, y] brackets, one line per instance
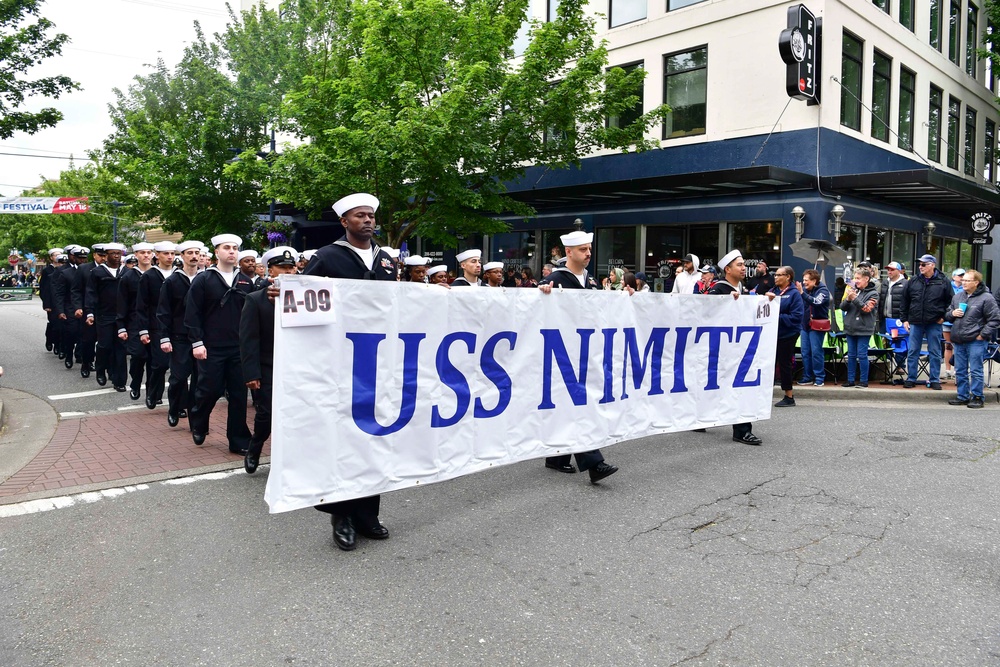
[929, 228]
[833, 225]
[799, 214]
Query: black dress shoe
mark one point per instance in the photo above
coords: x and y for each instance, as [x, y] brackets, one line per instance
[250, 463]
[61, 355]
[199, 438]
[102, 378]
[749, 439]
[150, 403]
[68, 363]
[374, 531]
[133, 394]
[48, 347]
[600, 471]
[958, 401]
[241, 452]
[120, 388]
[182, 414]
[343, 532]
[172, 420]
[85, 372]
[561, 468]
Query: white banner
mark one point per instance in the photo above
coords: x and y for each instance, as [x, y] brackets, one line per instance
[414, 384]
[44, 205]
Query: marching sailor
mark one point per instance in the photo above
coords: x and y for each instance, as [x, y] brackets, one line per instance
[174, 338]
[438, 275]
[469, 262]
[573, 275]
[101, 306]
[248, 266]
[212, 317]
[128, 316]
[45, 292]
[146, 300]
[68, 303]
[415, 269]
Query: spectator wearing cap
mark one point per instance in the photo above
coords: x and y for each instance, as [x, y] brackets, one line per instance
[707, 281]
[976, 319]
[925, 301]
[415, 269]
[762, 282]
[956, 280]
[574, 275]
[687, 276]
[471, 264]
[493, 274]
[815, 310]
[890, 296]
[257, 349]
[642, 281]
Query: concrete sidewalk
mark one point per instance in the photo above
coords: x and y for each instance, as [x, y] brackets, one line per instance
[42, 457]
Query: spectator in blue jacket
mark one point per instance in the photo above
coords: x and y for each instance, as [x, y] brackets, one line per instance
[815, 306]
[789, 327]
[925, 300]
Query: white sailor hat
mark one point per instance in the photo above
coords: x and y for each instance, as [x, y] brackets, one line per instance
[308, 254]
[165, 246]
[136, 247]
[62, 258]
[98, 247]
[105, 247]
[247, 253]
[55, 251]
[342, 206]
[189, 245]
[416, 260]
[437, 269]
[468, 254]
[69, 248]
[392, 252]
[129, 258]
[80, 250]
[219, 239]
[489, 266]
[206, 253]
[729, 257]
[577, 238]
[281, 254]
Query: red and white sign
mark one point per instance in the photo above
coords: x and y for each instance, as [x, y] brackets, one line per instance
[44, 205]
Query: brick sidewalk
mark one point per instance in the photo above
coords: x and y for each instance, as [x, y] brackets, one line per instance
[117, 447]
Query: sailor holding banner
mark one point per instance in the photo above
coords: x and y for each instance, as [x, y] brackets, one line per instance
[470, 263]
[733, 272]
[573, 275]
[354, 257]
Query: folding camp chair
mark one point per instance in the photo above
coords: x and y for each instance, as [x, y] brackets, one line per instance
[895, 337]
[992, 356]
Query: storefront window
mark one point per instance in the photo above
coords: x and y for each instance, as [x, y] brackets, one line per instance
[965, 256]
[949, 260]
[875, 246]
[551, 248]
[850, 239]
[664, 250]
[615, 248]
[757, 241]
[514, 249]
[704, 242]
[903, 247]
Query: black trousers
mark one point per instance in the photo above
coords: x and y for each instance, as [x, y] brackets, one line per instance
[110, 352]
[69, 336]
[584, 460]
[53, 330]
[182, 368]
[86, 349]
[139, 360]
[785, 354]
[364, 511]
[740, 430]
[262, 415]
[221, 373]
[159, 362]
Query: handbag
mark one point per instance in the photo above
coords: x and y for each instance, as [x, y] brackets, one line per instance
[819, 325]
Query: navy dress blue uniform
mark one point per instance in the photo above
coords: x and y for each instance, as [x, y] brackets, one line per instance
[257, 361]
[338, 260]
[722, 287]
[566, 279]
[147, 298]
[52, 327]
[128, 322]
[212, 316]
[102, 302]
[86, 349]
[65, 303]
[171, 329]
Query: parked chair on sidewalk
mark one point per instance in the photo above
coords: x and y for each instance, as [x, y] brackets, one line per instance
[992, 356]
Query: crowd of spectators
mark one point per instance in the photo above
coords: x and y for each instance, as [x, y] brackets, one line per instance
[18, 278]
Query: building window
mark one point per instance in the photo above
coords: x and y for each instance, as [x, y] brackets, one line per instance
[630, 116]
[935, 35]
[850, 86]
[883, 5]
[955, 31]
[551, 10]
[971, 39]
[989, 152]
[907, 105]
[881, 95]
[678, 4]
[906, 14]
[626, 11]
[991, 79]
[970, 141]
[934, 125]
[758, 241]
[954, 117]
[685, 88]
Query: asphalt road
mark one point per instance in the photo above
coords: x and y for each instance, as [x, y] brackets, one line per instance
[859, 534]
[28, 367]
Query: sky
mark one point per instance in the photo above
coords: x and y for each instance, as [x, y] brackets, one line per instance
[111, 42]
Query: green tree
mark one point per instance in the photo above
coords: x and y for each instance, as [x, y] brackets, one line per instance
[425, 104]
[23, 45]
[38, 233]
[174, 130]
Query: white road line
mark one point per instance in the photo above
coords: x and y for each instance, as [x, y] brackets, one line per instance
[82, 394]
[62, 502]
[131, 407]
[64, 415]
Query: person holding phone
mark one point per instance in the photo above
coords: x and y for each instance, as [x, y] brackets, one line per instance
[860, 306]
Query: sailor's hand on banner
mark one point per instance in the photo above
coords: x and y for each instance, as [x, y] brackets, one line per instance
[545, 288]
[305, 301]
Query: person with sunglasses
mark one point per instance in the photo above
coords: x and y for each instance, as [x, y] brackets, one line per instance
[925, 301]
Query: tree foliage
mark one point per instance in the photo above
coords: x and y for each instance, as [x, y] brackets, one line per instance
[24, 43]
[38, 233]
[174, 131]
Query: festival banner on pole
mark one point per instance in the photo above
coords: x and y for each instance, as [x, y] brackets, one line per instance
[382, 386]
[44, 205]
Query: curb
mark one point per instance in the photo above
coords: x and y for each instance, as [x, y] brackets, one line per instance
[880, 392]
[29, 424]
